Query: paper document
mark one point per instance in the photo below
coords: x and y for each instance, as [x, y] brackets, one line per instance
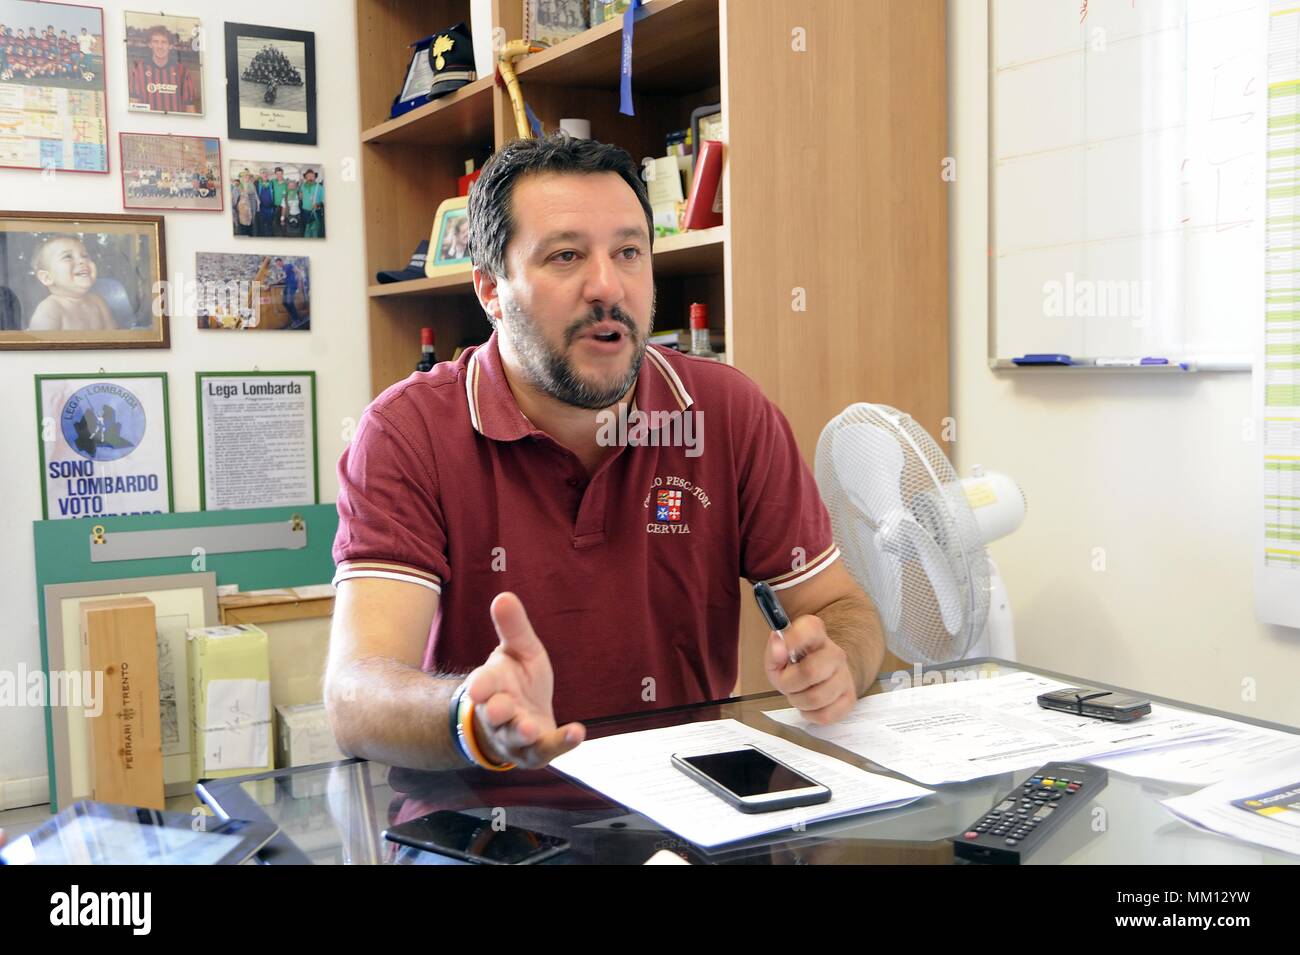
[954, 732]
[238, 728]
[634, 769]
[1262, 807]
[1204, 761]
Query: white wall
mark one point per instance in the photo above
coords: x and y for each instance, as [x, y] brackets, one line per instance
[336, 347]
[1153, 470]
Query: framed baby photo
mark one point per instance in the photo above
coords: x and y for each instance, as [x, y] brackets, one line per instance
[82, 280]
[449, 241]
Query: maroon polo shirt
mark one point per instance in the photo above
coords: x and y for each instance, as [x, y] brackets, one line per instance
[631, 576]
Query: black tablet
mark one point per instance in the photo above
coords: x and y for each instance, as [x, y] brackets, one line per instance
[96, 833]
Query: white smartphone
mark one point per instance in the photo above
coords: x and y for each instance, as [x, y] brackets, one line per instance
[752, 780]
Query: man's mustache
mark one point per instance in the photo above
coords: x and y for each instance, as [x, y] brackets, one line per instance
[595, 318]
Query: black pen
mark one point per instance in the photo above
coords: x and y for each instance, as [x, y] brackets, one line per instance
[774, 614]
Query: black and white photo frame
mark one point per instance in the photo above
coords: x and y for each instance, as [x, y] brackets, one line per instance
[270, 84]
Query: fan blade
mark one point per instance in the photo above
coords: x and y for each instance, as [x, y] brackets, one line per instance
[884, 576]
[938, 570]
[868, 457]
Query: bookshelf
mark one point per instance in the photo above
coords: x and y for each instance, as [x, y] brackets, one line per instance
[831, 185]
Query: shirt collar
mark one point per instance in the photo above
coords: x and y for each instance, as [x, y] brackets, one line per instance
[494, 413]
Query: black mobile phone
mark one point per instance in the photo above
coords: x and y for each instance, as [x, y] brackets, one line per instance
[1099, 704]
[475, 839]
[751, 780]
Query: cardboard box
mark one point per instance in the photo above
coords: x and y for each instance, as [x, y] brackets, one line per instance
[230, 700]
[304, 737]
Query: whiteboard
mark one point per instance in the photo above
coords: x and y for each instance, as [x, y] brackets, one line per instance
[1126, 169]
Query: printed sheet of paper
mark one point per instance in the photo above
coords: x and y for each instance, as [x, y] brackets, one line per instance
[953, 732]
[1262, 807]
[1204, 761]
[634, 769]
[1276, 378]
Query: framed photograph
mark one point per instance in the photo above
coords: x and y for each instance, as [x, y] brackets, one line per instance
[171, 172]
[254, 292]
[601, 10]
[270, 84]
[548, 22]
[449, 241]
[88, 280]
[257, 439]
[105, 445]
[419, 80]
[53, 105]
[164, 64]
[272, 198]
[181, 601]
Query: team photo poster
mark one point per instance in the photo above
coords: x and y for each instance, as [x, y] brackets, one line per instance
[53, 108]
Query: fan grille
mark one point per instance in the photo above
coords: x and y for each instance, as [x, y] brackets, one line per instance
[900, 517]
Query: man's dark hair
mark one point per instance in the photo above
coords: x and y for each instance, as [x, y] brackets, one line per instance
[491, 218]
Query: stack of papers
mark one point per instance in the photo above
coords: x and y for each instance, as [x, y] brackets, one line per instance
[954, 732]
[1236, 750]
[634, 769]
[1262, 808]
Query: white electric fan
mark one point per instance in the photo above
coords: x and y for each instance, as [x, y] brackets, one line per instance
[913, 534]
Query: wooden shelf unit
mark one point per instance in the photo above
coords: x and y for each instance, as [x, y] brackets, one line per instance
[835, 117]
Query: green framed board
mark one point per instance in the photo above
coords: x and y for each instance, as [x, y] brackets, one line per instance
[63, 556]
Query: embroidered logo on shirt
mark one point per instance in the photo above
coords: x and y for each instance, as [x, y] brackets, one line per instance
[668, 507]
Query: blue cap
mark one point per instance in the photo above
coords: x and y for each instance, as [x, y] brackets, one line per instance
[414, 269]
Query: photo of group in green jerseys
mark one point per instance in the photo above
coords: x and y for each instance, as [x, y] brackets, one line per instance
[277, 199]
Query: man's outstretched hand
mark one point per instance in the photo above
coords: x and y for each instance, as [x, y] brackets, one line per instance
[513, 721]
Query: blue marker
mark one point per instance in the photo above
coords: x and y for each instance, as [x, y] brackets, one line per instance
[1043, 359]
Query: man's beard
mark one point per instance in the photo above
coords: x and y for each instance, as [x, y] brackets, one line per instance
[549, 369]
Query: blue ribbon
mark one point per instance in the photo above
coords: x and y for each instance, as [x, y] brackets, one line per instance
[625, 66]
[534, 123]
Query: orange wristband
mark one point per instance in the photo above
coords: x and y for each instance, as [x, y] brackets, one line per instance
[467, 735]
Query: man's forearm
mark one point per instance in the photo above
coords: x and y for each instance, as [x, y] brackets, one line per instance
[852, 623]
[394, 714]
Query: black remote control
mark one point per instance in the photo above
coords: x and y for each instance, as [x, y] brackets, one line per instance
[1026, 816]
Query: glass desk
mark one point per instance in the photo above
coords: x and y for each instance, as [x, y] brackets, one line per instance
[336, 812]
